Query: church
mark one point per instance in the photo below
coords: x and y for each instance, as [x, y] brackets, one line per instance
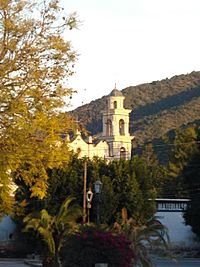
[115, 141]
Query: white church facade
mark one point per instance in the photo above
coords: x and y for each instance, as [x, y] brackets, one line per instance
[115, 141]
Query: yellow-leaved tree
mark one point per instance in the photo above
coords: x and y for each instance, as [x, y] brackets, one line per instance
[35, 63]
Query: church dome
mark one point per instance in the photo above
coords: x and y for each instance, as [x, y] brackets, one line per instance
[116, 92]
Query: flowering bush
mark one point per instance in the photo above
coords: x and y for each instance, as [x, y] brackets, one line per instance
[97, 246]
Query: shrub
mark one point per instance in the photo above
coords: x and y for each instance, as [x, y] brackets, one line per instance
[97, 246]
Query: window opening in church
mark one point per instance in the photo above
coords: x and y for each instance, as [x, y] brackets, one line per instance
[122, 153]
[110, 150]
[78, 150]
[121, 127]
[109, 127]
[115, 104]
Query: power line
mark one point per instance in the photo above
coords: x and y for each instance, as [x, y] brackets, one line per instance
[169, 144]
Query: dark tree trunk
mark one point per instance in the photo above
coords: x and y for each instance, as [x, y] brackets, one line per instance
[51, 262]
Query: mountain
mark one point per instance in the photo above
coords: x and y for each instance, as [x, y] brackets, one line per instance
[157, 107]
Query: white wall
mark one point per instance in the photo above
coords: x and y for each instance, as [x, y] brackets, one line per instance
[179, 233]
[7, 227]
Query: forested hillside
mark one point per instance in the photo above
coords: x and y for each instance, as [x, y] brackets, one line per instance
[157, 107]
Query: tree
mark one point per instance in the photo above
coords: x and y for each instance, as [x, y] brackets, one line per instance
[35, 62]
[54, 229]
[64, 182]
[184, 147]
[191, 177]
[155, 169]
[125, 184]
[133, 187]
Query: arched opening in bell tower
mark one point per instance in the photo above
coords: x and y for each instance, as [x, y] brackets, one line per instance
[109, 127]
[121, 127]
[122, 153]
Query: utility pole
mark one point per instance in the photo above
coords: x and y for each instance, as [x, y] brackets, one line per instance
[84, 191]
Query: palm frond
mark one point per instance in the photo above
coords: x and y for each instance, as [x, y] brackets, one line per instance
[143, 237]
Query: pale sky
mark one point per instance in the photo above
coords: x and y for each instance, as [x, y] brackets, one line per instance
[129, 42]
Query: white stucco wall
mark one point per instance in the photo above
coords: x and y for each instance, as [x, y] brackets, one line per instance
[89, 150]
[7, 227]
[179, 233]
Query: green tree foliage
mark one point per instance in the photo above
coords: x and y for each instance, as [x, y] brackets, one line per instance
[54, 229]
[125, 184]
[184, 146]
[191, 176]
[62, 182]
[156, 171]
[133, 185]
[35, 62]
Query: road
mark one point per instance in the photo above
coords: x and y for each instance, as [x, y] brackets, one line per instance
[158, 263]
[12, 263]
[178, 263]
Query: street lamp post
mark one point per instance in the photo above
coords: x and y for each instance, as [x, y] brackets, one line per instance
[89, 197]
[97, 188]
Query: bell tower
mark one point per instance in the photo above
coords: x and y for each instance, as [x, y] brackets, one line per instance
[116, 126]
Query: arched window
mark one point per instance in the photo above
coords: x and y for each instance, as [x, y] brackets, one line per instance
[109, 127]
[78, 150]
[122, 153]
[110, 150]
[121, 127]
[115, 104]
